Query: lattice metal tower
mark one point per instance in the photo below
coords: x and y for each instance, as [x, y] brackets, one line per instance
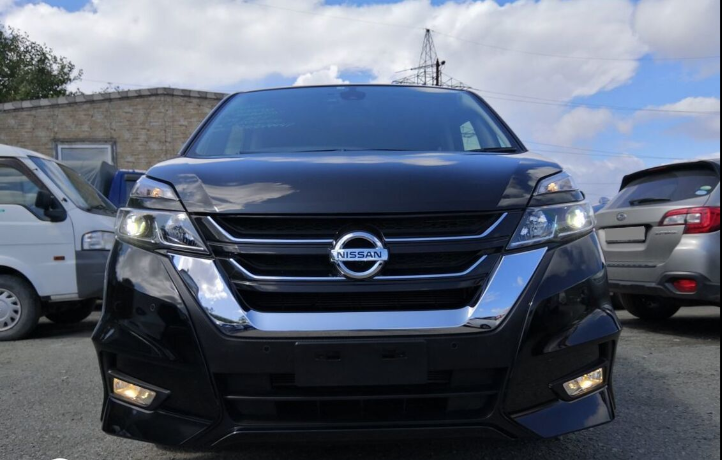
[429, 71]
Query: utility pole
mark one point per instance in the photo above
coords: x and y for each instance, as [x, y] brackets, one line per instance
[429, 72]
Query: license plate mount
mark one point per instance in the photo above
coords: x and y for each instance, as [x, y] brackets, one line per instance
[626, 235]
[326, 364]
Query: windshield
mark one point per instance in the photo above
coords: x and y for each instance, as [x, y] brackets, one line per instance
[78, 190]
[380, 118]
[668, 186]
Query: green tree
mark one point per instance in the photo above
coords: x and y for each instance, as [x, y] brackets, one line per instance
[29, 70]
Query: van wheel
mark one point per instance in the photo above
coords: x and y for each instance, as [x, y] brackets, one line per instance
[19, 308]
[649, 307]
[71, 313]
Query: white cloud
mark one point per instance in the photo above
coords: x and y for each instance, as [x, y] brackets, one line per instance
[694, 123]
[579, 124]
[676, 28]
[328, 76]
[221, 42]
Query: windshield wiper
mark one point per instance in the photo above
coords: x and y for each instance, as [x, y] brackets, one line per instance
[649, 201]
[496, 150]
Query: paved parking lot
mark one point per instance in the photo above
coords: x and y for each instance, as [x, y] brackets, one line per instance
[668, 378]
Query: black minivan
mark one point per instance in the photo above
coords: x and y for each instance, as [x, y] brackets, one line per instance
[355, 261]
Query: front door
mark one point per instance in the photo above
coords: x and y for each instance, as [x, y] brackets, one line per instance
[41, 250]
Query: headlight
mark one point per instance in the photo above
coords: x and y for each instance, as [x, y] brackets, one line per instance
[152, 189]
[553, 223]
[561, 182]
[98, 241]
[158, 230]
[165, 226]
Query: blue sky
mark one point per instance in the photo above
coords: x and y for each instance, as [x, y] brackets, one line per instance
[340, 50]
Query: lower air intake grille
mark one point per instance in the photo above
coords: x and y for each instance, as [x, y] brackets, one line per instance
[267, 399]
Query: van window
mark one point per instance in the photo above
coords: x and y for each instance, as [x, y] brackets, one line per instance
[17, 188]
[80, 192]
[668, 186]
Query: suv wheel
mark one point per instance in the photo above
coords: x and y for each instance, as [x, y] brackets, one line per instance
[649, 307]
[71, 313]
[19, 308]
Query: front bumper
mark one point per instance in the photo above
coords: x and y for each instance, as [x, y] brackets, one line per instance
[226, 389]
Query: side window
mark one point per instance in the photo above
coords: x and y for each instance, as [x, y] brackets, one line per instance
[16, 188]
[469, 137]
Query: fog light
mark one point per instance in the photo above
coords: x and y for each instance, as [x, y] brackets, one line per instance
[133, 394]
[585, 384]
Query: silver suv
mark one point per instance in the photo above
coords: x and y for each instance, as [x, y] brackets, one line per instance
[661, 239]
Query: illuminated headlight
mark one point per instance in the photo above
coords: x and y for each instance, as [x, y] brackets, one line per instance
[98, 241]
[585, 384]
[553, 223]
[158, 230]
[132, 393]
[148, 188]
[561, 182]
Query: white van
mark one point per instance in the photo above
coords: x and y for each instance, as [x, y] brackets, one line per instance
[56, 232]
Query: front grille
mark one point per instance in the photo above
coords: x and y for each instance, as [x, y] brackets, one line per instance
[281, 264]
[399, 264]
[265, 399]
[327, 302]
[411, 226]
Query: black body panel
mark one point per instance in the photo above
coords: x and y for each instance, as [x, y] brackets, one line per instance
[355, 182]
[246, 386]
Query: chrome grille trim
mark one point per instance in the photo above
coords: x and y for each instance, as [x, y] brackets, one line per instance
[232, 239]
[506, 286]
[488, 232]
[254, 277]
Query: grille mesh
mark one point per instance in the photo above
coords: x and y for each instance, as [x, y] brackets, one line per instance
[329, 227]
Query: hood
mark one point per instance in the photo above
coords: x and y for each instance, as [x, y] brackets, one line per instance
[355, 182]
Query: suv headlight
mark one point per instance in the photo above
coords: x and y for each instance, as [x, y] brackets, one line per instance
[157, 229]
[554, 223]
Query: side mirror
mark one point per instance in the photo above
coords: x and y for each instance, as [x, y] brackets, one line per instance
[51, 207]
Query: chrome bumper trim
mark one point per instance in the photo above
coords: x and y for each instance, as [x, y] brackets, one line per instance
[506, 286]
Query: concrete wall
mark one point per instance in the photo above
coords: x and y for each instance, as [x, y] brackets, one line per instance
[145, 126]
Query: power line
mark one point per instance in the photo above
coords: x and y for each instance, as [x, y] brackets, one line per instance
[486, 45]
[650, 157]
[106, 82]
[580, 148]
[580, 58]
[560, 103]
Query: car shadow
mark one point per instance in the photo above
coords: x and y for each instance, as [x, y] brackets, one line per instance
[48, 330]
[701, 323]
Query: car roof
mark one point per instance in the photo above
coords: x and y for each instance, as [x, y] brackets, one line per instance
[710, 163]
[356, 85]
[8, 151]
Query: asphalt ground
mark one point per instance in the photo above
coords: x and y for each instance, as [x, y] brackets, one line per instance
[667, 385]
